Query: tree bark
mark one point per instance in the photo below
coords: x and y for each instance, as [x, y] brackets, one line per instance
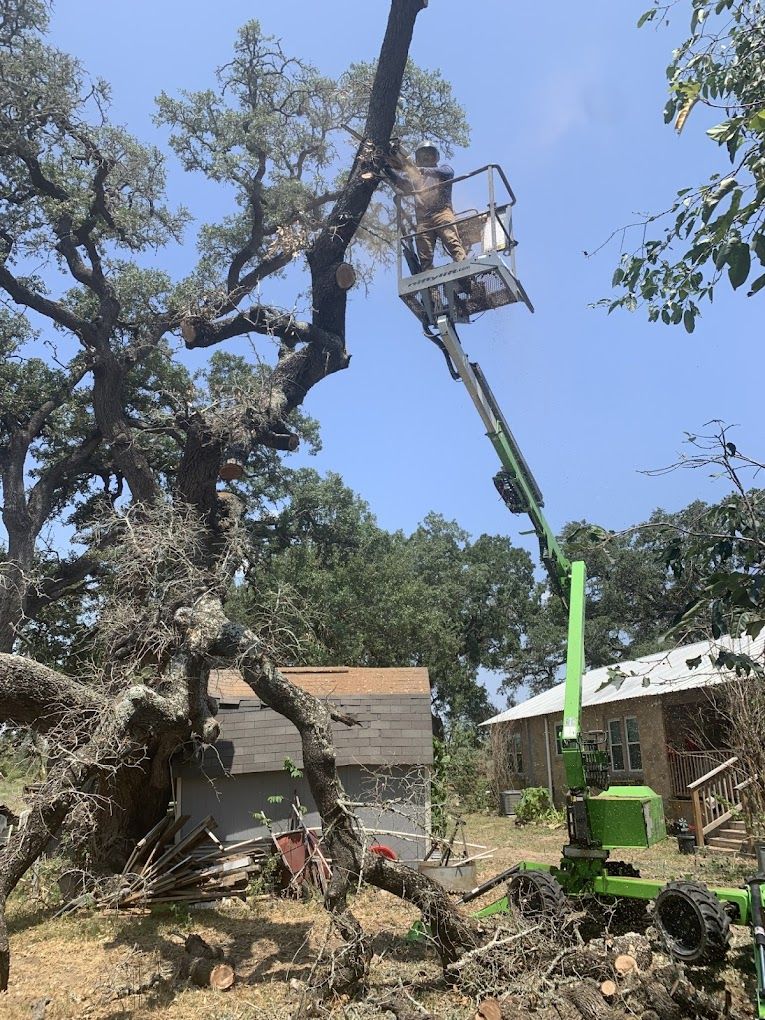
[123, 741]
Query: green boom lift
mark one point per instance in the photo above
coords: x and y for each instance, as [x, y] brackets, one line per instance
[694, 919]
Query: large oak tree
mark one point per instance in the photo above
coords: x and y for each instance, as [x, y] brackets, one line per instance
[103, 424]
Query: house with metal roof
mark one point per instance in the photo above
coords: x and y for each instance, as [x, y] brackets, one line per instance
[657, 716]
[384, 763]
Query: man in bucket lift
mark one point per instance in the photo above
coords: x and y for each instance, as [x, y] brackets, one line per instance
[431, 186]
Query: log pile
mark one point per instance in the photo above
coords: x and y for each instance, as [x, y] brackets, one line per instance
[192, 869]
[531, 968]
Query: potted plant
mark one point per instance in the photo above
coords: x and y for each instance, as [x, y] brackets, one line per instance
[686, 838]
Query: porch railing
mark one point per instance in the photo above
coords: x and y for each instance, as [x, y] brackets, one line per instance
[685, 767]
[716, 796]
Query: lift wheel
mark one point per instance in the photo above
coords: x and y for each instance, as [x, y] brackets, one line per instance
[693, 922]
[536, 894]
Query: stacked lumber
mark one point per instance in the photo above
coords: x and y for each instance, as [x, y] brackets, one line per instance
[196, 867]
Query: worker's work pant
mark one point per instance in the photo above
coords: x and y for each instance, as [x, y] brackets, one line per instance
[438, 225]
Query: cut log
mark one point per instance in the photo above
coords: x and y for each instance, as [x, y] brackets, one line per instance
[624, 963]
[635, 945]
[608, 989]
[198, 948]
[588, 1001]
[489, 1009]
[209, 974]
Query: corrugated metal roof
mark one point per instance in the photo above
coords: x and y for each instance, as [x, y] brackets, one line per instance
[647, 677]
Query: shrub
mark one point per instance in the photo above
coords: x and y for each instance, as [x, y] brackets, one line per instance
[535, 807]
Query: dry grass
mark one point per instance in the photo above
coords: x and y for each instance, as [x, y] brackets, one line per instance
[11, 790]
[79, 961]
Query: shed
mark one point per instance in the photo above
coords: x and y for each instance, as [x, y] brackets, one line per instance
[384, 763]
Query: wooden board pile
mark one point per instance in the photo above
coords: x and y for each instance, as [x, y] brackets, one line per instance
[196, 868]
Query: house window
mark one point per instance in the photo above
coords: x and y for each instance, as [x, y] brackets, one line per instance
[634, 756]
[516, 753]
[559, 738]
[616, 744]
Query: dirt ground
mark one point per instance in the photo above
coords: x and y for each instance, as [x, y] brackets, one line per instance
[85, 963]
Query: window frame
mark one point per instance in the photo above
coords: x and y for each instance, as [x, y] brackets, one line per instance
[619, 722]
[628, 743]
[516, 752]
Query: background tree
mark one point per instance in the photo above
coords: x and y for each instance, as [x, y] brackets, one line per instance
[359, 594]
[714, 229]
[722, 549]
[649, 587]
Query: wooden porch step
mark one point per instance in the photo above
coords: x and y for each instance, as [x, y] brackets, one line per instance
[728, 832]
[736, 824]
[731, 846]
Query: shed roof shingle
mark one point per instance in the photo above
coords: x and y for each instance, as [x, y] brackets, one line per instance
[228, 686]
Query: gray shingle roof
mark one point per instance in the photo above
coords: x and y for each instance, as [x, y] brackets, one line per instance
[395, 729]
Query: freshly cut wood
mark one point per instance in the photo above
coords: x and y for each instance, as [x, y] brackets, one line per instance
[208, 974]
[608, 989]
[489, 1009]
[624, 963]
[635, 945]
[345, 276]
[587, 999]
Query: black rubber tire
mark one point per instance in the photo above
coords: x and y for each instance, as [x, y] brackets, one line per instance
[621, 869]
[693, 922]
[536, 894]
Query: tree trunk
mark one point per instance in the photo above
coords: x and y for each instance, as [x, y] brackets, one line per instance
[206, 973]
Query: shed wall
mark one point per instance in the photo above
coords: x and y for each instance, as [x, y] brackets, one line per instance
[397, 798]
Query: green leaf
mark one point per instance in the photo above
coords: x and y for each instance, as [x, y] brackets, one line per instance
[722, 255]
[617, 278]
[689, 320]
[758, 284]
[712, 198]
[757, 121]
[739, 262]
[646, 17]
[758, 243]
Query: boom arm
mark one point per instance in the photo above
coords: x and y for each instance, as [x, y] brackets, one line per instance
[519, 490]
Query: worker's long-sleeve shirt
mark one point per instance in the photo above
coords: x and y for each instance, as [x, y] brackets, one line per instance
[430, 185]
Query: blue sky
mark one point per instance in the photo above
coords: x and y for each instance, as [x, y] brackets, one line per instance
[568, 98]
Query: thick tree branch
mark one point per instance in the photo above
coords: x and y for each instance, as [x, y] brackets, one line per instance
[62, 472]
[108, 404]
[69, 575]
[54, 310]
[200, 332]
[33, 695]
